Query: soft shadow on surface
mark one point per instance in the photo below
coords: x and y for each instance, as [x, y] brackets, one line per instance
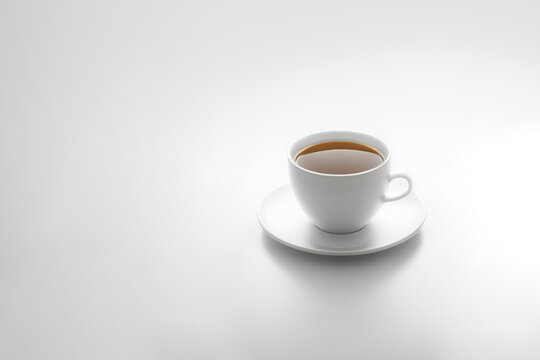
[341, 272]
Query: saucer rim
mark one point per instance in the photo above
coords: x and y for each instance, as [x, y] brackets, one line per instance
[338, 252]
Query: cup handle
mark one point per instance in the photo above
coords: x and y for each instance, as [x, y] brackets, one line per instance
[387, 198]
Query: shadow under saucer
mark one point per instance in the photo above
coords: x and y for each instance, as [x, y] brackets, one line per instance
[341, 272]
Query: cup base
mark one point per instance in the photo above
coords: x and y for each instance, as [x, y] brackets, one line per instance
[340, 232]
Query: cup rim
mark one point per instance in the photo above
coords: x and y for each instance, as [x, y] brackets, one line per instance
[386, 158]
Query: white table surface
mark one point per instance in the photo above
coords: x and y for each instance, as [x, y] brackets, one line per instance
[136, 139]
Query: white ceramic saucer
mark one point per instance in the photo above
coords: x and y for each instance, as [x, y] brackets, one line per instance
[282, 219]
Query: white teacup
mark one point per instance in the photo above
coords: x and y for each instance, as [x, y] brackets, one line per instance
[342, 203]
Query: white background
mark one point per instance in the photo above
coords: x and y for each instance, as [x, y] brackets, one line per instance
[137, 138]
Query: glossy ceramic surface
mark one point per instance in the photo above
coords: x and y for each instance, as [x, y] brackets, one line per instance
[283, 220]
